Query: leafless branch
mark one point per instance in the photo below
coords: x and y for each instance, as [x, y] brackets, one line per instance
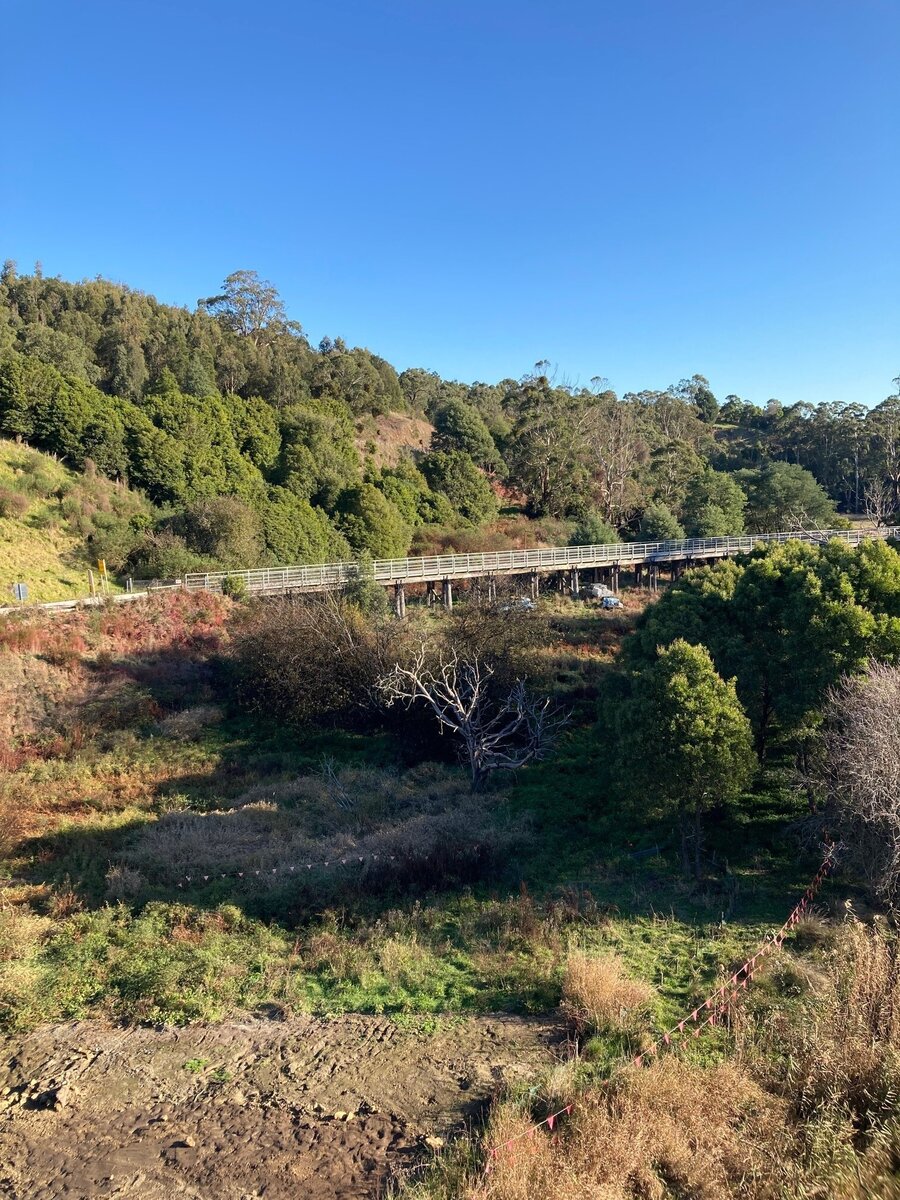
[495, 734]
[859, 773]
[878, 497]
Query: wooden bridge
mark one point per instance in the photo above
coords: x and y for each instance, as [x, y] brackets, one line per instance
[605, 561]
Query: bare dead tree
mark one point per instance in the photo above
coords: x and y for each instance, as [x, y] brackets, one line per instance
[496, 733]
[878, 497]
[859, 774]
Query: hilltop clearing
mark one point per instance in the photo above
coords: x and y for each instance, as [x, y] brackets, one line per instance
[391, 437]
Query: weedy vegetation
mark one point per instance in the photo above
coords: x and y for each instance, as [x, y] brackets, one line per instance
[175, 776]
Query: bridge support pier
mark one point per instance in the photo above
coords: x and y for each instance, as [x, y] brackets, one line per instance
[492, 589]
[534, 581]
[430, 595]
[574, 582]
[399, 600]
[447, 594]
[614, 578]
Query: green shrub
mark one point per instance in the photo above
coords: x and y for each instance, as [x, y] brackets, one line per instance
[371, 523]
[659, 524]
[222, 528]
[164, 555]
[593, 530]
[235, 586]
[454, 475]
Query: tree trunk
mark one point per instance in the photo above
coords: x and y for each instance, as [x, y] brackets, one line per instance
[765, 721]
[697, 860]
[685, 848]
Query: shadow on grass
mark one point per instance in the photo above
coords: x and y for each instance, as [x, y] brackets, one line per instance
[582, 847]
[440, 934]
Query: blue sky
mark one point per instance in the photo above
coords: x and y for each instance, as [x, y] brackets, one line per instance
[641, 190]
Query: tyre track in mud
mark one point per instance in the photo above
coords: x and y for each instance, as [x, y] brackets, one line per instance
[329, 1109]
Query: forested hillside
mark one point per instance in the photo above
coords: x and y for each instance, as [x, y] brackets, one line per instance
[254, 447]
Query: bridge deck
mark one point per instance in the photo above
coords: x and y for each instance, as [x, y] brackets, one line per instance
[509, 562]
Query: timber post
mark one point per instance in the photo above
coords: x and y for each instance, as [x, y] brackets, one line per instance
[400, 599]
[447, 594]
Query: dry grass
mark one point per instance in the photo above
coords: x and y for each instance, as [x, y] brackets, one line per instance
[599, 997]
[20, 930]
[670, 1131]
[805, 1110]
[425, 818]
[845, 1053]
[394, 435]
[186, 725]
[78, 691]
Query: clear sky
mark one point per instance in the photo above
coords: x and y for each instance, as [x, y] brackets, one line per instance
[640, 189]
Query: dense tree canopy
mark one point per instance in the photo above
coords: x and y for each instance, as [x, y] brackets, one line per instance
[689, 739]
[714, 505]
[784, 496]
[459, 426]
[371, 523]
[453, 474]
[230, 400]
[786, 622]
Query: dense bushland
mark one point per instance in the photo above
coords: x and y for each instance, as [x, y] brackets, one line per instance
[256, 447]
[785, 622]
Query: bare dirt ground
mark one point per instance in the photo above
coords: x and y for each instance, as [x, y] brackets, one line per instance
[306, 1108]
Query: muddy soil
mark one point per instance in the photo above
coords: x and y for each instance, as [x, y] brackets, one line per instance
[306, 1108]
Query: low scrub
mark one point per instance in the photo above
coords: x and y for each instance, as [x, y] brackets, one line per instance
[312, 659]
[420, 829]
[186, 621]
[670, 1131]
[806, 1109]
[599, 997]
[13, 504]
[843, 1053]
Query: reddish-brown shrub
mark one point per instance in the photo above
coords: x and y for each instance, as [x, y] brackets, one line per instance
[13, 504]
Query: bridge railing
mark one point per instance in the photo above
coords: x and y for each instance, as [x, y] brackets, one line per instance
[456, 566]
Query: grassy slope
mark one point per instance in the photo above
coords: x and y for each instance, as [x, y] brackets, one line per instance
[132, 770]
[45, 545]
[38, 548]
